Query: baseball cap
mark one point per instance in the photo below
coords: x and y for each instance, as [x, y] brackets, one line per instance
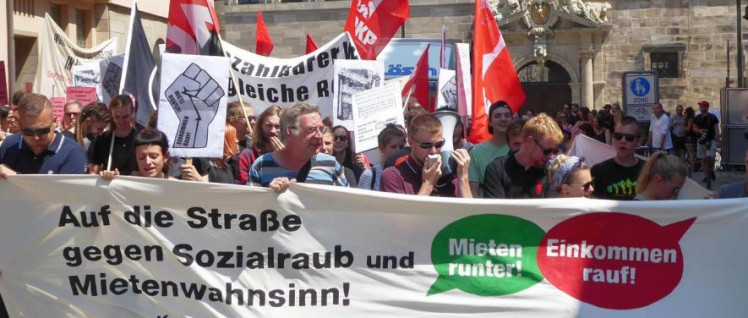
[704, 103]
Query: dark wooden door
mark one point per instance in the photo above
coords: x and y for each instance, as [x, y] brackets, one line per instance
[545, 97]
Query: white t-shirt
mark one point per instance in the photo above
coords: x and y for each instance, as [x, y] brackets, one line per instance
[659, 127]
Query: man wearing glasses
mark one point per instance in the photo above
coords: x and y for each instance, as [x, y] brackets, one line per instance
[302, 132]
[521, 173]
[415, 175]
[615, 178]
[38, 149]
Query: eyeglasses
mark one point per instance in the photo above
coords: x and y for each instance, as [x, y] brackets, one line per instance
[341, 138]
[429, 145]
[546, 151]
[312, 131]
[629, 137]
[36, 132]
[586, 187]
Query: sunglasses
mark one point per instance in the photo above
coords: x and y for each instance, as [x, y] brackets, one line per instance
[341, 138]
[546, 151]
[629, 137]
[35, 132]
[586, 187]
[429, 145]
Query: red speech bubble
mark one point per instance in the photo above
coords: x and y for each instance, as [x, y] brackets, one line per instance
[613, 260]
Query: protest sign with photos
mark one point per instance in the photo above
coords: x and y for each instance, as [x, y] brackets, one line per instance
[373, 109]
[351, 77]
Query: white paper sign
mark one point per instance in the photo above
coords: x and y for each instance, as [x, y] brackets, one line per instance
[465, 87]
[351, 77]
[192, 104]
[372, 111]
[447, 92]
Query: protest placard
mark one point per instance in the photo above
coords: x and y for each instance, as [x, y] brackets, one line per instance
[373, 109]
[192, 103]
[447, 90]
[464, 78]
[84, 95]
[104, 75]
[114, 249]
[351, 77]
[264, 81]
[58, 107]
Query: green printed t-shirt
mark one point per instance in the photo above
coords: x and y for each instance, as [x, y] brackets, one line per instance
[481, 155]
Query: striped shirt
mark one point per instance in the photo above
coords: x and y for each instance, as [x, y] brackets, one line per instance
[324, 170]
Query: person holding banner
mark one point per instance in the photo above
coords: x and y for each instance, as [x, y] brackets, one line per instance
[521, 174]
[265, 139]
[390, 139]
[416, 175]
[570, 177]
[151, 153]
[616, 178]
[499, 117]
[39, 149]
[114, 149]
[661, 178]
[300, 160]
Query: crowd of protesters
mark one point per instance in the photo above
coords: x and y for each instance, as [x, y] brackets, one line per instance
[524, 158]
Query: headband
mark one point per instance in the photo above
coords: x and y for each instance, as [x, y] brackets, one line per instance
[564, 170]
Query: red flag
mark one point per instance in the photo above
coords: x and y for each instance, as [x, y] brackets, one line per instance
[192, 28]
[311, 46]
[420, 79]
[372, 23]
[264, 43]
[494, 76]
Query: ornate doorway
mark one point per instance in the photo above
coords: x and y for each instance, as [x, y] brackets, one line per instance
[546, 87]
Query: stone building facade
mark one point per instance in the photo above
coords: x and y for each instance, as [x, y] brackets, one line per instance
[564, 50]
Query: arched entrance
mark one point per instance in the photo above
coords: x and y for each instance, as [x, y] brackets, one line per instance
[546, 87]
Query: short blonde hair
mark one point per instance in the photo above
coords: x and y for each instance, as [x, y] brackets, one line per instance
[542, 126]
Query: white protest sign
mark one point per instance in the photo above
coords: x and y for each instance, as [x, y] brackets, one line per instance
[464, 80]
[265, 81]
[372, 110]
[87, 75]
[351, 77]
[57, 56]
[192, 104]
[447, 90]
[104, 75]
[142, 247]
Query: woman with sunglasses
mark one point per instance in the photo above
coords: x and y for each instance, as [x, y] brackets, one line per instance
[570, 177]
[661, 178]
[265, 139]
[343, 152]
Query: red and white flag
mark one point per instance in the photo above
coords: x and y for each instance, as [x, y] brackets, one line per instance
[311, 46]
[494, 75]
[372, 23]
[192, 28]
[264, 44]
[419, 83]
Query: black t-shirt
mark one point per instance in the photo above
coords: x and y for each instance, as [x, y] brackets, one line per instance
[123, 156]
[707, 121]
[615, 182]
[217, 174]
[506, 178]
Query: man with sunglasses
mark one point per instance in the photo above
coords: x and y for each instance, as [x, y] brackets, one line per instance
[414, 175]
[521, 173]
[615, 178]
[38, 149]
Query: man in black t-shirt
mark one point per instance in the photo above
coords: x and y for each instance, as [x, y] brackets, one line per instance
[706, 127]
[615, 178]
[521, 174]
[121, 110]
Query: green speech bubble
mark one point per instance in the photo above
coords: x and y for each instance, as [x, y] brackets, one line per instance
[486, 255]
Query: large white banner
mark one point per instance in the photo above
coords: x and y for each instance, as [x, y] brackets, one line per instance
[192, 104]
[57, 56]
[265, 81]
[137, 247]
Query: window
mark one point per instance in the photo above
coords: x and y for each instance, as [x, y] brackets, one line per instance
[55, 12]
[665, 64]
[81, 28]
